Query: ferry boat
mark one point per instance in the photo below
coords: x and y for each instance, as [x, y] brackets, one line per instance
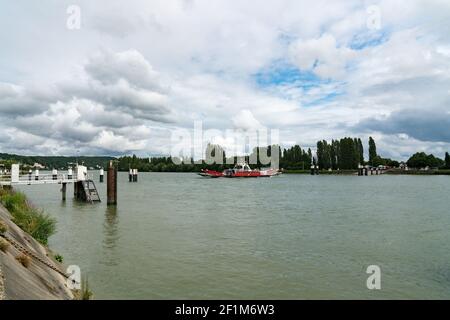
[240, 170]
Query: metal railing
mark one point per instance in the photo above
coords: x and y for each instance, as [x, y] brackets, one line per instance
[46, 178]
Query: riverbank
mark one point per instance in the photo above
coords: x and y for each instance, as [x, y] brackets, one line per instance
[30, 271]
[2, 286]
[390, 172]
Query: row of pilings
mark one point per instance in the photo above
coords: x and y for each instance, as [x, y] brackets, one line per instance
[111, 187]
[369, 171]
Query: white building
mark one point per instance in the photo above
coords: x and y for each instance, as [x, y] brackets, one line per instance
[38, 166]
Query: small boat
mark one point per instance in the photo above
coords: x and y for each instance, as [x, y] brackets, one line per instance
[240, 170]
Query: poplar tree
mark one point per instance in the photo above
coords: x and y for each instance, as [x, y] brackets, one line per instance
[372, 150]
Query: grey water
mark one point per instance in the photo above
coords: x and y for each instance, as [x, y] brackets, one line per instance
[181, 236]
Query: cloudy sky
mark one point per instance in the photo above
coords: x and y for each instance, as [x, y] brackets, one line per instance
[135, 71]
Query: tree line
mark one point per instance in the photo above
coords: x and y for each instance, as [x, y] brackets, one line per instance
[343, 154]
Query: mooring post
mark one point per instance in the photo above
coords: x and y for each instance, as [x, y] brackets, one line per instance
[312, 170]
[317, 170]
[54, 174]
[70, 174]
[102, 173]
[111, 184]
[36, 175]
[135, 175]
[130, 175]
[63, 191]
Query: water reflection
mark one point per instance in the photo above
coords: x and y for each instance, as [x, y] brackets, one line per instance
[111, 235]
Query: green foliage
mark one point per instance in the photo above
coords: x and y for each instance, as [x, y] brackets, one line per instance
[348, 157]
[447, 160]
[295, 158]
[54, 161]
[4, 245]
[3, 227]
[422, 160]
[32, 220]
[372, 151]
[59, 258]
[84, 293]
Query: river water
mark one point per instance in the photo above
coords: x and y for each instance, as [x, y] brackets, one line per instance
[181, 236]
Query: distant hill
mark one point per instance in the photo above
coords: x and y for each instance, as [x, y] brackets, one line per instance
[57, 162]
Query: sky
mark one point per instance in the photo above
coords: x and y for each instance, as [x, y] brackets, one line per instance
[119, 77]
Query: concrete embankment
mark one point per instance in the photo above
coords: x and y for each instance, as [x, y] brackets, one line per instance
[34, 280]
[2, 286]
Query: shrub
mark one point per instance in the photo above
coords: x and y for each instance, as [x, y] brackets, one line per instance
[59, 258]
[84, 293]
[24, 260]
[3, 227]
[32, 220]
[4, 245]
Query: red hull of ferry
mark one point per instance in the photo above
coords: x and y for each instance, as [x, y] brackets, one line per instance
[238, 174]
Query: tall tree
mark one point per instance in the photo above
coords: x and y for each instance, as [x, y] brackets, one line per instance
[361, 151]
[347, 151]
[372, 150]
[320, 154]
[447, 160]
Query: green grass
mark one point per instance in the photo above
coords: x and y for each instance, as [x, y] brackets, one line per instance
[59, 258]
[31, 219]
[4, 245]
[3, 227]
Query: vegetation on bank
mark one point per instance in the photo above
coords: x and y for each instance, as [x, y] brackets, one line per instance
[4, 245]
[29, 218]
[85, 293]
[343, 154]
[57, 162]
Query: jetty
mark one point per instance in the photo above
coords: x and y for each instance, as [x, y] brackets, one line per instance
[84, 186]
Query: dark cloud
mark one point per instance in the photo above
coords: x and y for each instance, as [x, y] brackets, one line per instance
[17, 101]
[432, 126]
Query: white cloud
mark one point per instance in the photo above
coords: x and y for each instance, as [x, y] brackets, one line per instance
[131, 74]
[323, 56]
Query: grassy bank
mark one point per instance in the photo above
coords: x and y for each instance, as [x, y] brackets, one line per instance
[29, 218]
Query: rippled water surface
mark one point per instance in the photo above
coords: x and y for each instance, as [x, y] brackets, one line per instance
[290, 237]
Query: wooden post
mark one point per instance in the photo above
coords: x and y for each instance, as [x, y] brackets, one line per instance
[130, 175]
[111, 184]
[102, 173]
[312, 170]
[63, 191]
